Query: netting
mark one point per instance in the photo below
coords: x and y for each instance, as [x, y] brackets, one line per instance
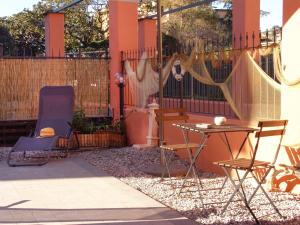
[145, 81]
[251, 93]
[21, 80]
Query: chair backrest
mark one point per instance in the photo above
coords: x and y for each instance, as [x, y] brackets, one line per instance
[270, 128]
[171, 115]
[179, 114]
[56, 109]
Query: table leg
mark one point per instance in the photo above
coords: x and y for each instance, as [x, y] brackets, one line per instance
[193, 158]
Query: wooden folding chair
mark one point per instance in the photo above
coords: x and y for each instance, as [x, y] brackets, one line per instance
[173, 115]
[250, 166]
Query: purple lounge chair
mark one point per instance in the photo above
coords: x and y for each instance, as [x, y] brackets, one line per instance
[55, 111]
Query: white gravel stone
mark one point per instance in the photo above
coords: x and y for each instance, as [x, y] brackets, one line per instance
[128, 163]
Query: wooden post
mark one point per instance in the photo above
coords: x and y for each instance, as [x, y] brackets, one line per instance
[159, 65]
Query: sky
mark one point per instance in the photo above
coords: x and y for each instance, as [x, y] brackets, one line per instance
[9, 7]
[275, 16]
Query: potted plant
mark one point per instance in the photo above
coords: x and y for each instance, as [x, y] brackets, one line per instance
[96, 132]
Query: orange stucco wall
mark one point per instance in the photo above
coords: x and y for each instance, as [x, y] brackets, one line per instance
[123, 35]
[137, 128]
[290, 48]
[246, 19]
[289, 8]
[215, 150]
[54, 35]
[136, 124]
[147, 33]
[290, 63]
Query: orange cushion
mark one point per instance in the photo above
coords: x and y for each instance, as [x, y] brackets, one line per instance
[47, 132]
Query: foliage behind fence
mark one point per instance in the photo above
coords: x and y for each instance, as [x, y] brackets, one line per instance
[21, 80]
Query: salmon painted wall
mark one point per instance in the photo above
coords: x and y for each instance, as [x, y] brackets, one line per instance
[290, 48]
[215, 150]
[123, 35]
[147, 33]
[246, 19]
[290, 63]
[137, 128]
[136, 125]
[290, 7]
[54, 34]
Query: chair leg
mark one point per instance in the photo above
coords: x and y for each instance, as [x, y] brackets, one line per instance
[9, 158]
[259, 186]
[236, 188]
[193, 159]
[223, 185]
[237, 191]
[193, 169]
[165, 162]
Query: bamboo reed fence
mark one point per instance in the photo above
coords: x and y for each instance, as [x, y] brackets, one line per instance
[22, 79]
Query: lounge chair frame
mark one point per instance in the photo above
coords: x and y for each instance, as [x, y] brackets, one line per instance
[55, 110]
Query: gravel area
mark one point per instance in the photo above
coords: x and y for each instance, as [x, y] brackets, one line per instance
[128, 164]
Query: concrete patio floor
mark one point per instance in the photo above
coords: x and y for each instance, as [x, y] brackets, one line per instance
[70, 191]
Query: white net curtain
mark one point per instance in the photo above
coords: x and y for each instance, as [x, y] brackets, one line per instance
[251, 93]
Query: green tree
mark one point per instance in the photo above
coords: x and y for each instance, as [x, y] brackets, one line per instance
[5, 37]
[86, 24]
[189, 25]
[26, 30]
[85, 27]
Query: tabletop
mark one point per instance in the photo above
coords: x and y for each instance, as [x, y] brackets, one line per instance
[197, 127]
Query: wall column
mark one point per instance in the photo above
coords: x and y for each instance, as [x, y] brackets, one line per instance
[54, 34]
[290, 49]
[123, 35]
[245, 19]
[147, 34]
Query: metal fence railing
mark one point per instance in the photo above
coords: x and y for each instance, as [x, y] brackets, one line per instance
[190, 93]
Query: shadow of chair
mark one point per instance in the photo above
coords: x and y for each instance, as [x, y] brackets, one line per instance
[291, 175]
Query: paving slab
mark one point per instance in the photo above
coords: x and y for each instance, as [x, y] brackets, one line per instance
[71, 191]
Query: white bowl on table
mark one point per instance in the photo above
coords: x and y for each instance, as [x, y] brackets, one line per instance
[220, 120]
